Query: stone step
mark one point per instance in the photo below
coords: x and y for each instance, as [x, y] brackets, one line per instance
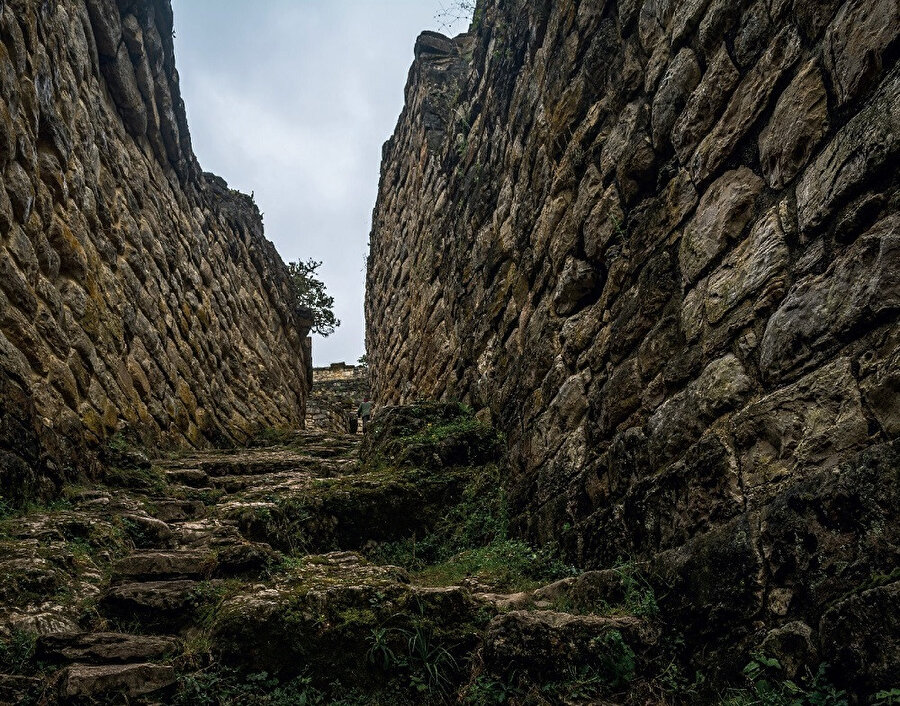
[148, 531]
[87, 681]
[546, 645]
[103, 648]
[191, 477]
[158, 565]
[169, 510]
[158, 606]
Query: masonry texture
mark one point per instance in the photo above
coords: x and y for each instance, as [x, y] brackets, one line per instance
[138, 295]
[657, 244]
[335, 397]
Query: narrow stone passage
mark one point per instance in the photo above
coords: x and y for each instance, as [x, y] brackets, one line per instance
[251, 565]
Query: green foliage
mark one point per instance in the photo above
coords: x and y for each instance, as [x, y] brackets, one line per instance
[617, 665]
[579, 684]
[428, 666]
[7, 509]
[227, 687]
[887, 697]
[767, 687]
[484, 691]
[147, 479]
[272, 436]
[473, 540]
[639, 599]
[504, 564]
[16, 651]
[118, 443]
[310, 294]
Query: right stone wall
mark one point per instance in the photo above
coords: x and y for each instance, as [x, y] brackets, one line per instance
[657, 243]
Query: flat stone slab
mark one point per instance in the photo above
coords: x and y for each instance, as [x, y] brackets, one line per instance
[104, 647]
[125, 679]
[165, 564]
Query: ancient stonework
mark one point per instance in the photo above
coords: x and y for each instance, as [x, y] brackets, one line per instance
[138, 295]
[657, 244]
[335, 397]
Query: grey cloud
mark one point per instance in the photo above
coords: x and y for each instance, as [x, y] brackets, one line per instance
[292, 100]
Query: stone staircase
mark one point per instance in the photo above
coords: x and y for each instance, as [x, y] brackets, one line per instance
[133, 584]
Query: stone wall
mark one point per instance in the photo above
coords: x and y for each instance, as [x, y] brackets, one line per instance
[138, 295]
[657, 243]
[336, 394]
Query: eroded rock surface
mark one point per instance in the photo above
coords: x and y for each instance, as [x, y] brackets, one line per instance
[138, 295]
[654, 242]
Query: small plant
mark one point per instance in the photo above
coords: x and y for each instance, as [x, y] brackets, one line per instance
[767, 688]
[889, 697]
[430, 668]
[484, 691]
[617, 664]
[16, 651]
[640, 599]
[227, 687]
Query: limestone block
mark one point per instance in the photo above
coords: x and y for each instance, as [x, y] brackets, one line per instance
[868, 143]
[683, 418]
[20, 190]
[856, 42]
[750, 99]
[814, 423]
[721, 215]
[680, 79]
[861, 286]
[797, 126]
[758, 265]
[705, 104]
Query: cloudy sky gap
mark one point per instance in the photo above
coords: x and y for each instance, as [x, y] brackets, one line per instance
[292, 100]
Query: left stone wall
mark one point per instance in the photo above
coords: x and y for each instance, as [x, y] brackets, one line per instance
[138, 295]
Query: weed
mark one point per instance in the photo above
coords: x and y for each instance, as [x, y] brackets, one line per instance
[16, 651]
[766, 688]
[473, 540]
[430, 668]
[227, 687]
[616, 665]
[640, 599]
[484, 691]
[886, 698]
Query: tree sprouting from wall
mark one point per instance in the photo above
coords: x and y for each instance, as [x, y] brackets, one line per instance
[311, 294]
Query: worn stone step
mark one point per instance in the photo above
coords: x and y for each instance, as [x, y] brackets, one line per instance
[169, 510]
[129, 680]
[148, 531]
[157, 565]
[547, 644]
[16, 689]
[158, 606]
[191, 477]
[210, 533]
[103, 648]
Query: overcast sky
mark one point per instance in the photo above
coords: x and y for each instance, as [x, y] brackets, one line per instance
[292, 100]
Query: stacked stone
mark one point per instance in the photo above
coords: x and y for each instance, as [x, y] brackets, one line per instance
[137, 294]
[336, 395]
[657, 242]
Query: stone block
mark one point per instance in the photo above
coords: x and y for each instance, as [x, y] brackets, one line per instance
[821, 311]
[721, 215]
[856, 43]
[860, 151]
[798, 124]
